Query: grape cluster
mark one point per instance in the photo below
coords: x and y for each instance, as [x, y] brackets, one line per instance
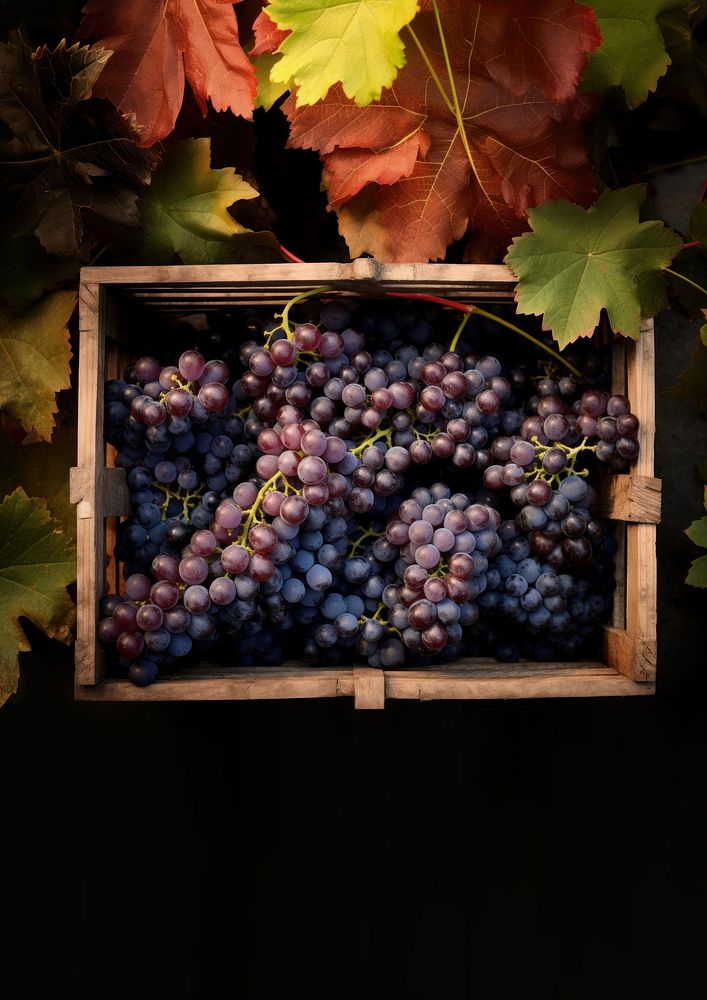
[350, 491]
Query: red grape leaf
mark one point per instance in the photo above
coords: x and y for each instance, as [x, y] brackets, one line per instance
[518, 147]
[155, 43]
[267, 35]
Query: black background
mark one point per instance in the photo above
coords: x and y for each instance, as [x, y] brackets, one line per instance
[443, 850]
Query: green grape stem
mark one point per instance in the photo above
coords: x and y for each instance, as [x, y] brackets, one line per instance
[367, 533]
[572, 454]
[255, 513]
[186, 498]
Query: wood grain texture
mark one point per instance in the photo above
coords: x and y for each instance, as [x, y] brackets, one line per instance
[369, 688]
[630, 498]
[633, 651]
[490, 680]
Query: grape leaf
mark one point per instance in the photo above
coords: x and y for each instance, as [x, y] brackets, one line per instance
[37, 563]
[632, 54]
[692, 383]
[184, 212]
[697, 533]
[687, 79]
[264, 55]
[27, 269]
[39, 467]
[352, 42]
[34, 361]
[482, 169]
[70, 153]
[156, 44]
[575, 263]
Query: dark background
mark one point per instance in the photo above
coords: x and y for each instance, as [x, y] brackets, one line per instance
[437, 851]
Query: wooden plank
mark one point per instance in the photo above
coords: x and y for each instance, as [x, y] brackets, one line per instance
[546, 686]
[276, 683]
[86, 486]
[634, 651]
[369, 688]
[310, 273]
[630, 498]
[250, 686]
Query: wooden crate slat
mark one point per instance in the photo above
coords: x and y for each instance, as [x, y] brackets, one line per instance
[630, 498]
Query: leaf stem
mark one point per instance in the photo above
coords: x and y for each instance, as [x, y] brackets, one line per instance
[677, 163]
[463, 307]
[455, 97]
[688, 281]
[431, 70]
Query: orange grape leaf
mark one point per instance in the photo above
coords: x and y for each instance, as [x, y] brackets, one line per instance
[155, 45]
[509, 147]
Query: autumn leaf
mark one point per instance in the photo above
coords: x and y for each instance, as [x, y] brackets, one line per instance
[352, 42]
[575, 263]
[156, 44]
[36, 565]
[697, 533]
[34, 361]
[447, 149]
[71, 155]
[185, 212]
[632, 54]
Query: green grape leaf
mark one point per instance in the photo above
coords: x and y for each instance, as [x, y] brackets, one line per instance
[353, 42]
[185, 212]
[697, 532]
[632, 53]
[40, 467]
[575, 263]
[697, 575]
[34, 361]
[687, 79]
[37, 563]
[27, 270]
[703, 329]
[692, 383]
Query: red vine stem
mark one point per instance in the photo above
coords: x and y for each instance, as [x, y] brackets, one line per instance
[290, 256]
[689, 246]
[464, 308]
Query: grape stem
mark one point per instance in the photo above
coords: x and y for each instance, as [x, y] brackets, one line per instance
[572, 454]
[254, 512]
[386, 433]
[285, 314]
[366, 534]
[466, 308]
[457, 335]
[184, 496]
[688, 281]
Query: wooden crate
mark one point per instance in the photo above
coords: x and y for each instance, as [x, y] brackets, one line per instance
[112, 299]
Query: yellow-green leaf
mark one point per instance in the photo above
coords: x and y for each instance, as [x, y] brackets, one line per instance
[185, 209]
[37, 563]
[353, 42]
[34, 361]
[268, 91]
[575, 263]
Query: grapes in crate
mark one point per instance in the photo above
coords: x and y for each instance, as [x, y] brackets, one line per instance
[362, 484]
